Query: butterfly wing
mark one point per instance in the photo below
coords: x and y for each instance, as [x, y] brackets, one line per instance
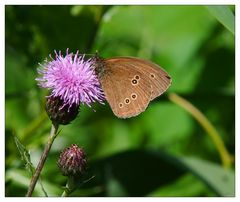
[158, 78]
[126, 89]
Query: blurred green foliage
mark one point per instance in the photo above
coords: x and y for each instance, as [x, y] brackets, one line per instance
[148, 155]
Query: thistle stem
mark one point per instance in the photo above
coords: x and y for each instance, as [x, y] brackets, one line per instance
[35, 177]
[70, 186]
[64, 194]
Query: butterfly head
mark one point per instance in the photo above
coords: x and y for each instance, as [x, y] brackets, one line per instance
[98, 65]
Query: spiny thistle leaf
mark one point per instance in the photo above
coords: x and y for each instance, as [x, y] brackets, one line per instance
[25, 155]
[26, 158]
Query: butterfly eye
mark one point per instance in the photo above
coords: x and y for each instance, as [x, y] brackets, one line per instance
[134, 96]
[120, 105]
[127, 101]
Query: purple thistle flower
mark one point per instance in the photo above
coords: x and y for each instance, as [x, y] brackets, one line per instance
[71, 78]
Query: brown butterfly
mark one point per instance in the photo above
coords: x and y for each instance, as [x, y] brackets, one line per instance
[129, 83]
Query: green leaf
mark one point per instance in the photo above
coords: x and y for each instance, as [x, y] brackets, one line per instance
[76, 10]
[134, 173]
[224, 15]
[186, 185]
[114, 188]
[149, 172]
[219, 179]
[21, 180]
[25, 155]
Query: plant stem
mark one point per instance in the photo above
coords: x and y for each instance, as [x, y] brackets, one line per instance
[73, 183]
[52, 136]
[64, 194]
[206, 124]
[70, 186]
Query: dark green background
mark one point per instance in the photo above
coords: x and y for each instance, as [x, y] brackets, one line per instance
[148, 155]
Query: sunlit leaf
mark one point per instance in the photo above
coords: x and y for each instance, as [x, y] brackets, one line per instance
[219, 179]
[20, 179]
[186, 185]
[224, 15]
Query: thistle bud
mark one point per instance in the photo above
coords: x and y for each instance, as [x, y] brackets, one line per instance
[72, 161]
[60, 113]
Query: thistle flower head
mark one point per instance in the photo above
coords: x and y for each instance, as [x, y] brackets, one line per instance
[72, 161]
[71, 78]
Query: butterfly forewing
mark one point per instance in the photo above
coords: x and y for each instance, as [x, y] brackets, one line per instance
[127, 90]
[158, 78]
